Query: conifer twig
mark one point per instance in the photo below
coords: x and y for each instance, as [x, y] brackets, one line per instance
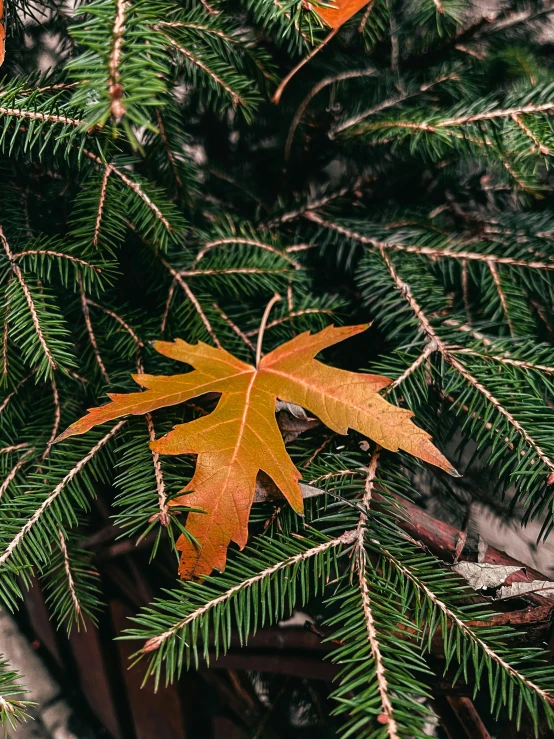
[156, 641]
[90, 331]
[449, 357]
[69, 575]
[29, 300]
[24, 530]
[193, 299]
[428, 251]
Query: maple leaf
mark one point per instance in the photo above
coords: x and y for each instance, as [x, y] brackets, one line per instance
[241, 437]
[337, 13]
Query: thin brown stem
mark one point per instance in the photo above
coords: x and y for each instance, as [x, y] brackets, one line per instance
[163, 515]
[261, 331]
[57, 418]
[90, 331]
[132, 185]
[501, 295]
[69, 575]
[170, 294]
[233, 326]
[58, 255]
[235, 97]
[278, 93]
[117, 318]
[321, 85]
[247, 242]
[290, 317]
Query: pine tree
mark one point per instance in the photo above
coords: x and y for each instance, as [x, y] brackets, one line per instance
[155, 186]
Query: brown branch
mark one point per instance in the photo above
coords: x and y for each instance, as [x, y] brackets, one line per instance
[467, 630]
[15, 390]
[38, 116]
[115, 90]
[167, 147]
[493, 114]
[29, 300]
[5, 336]
[14, 448]
[290, 316]
[321, 85]
[360, 563]
[231, 271]
[156, 641]
[365, 17]
[429, 349]
[92, 337]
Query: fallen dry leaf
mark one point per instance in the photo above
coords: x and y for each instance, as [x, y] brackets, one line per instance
[241, 438]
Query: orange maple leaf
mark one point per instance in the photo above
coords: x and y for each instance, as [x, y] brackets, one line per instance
[241, 437]
[337, 13]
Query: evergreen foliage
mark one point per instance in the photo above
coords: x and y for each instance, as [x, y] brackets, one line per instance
[152, 189]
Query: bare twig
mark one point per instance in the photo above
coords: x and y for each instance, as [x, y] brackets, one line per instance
[101, 202]
[57, 418]
[261, 331]
[277, 96]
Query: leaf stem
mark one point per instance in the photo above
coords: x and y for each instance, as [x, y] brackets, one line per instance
[269, 306]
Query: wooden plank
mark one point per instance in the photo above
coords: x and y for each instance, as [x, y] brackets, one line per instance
[154, 714]
[39, 620]
[95, 670]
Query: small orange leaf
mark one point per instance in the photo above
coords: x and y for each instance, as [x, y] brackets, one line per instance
[241, 438]
[340, 11]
